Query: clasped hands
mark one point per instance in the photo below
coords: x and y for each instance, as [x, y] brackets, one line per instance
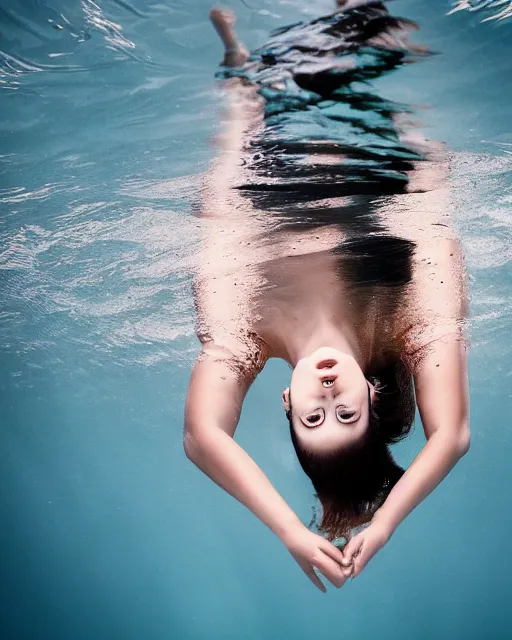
[312, 551]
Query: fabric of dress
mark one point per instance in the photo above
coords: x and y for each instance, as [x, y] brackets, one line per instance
[315, 78]
[330, 149]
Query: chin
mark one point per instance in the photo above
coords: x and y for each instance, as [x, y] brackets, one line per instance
[329, 353]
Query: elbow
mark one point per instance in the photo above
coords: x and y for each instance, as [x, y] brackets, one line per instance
[190, 446]
[197, 446]
[464, 445]
[464, 441]
[201, 442]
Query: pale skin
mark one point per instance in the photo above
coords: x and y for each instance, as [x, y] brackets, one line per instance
[308, 319]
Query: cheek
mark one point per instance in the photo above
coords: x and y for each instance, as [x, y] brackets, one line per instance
[299, 378]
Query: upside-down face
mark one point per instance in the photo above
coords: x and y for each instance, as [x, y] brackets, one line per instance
[330, 399]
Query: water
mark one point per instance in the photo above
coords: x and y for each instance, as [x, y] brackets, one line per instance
[107, 530]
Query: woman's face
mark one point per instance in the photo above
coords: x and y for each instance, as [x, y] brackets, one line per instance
[329, 400]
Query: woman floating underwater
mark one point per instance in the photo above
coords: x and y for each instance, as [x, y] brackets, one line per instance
[326, 244]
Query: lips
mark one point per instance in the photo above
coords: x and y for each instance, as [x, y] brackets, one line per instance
[326, 364]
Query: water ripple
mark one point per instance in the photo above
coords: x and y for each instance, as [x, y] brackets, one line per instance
[61, 36]
[492, 9]
[16, 65]
[127, 279]
[112, 32]
[15, 195]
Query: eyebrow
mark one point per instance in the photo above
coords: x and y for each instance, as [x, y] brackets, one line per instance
[325, 417]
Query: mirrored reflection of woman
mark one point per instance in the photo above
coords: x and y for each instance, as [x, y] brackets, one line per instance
[326, 243]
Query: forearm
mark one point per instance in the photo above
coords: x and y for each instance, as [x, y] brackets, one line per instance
[228, 465]
[434, 462]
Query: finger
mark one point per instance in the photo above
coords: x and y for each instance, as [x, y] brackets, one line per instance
[329, 568]
[333, 552]
[348, 572]
[359, 565]
[352, 549]
[361, 560]
[350, 554]
[337, 555]
[310, 572]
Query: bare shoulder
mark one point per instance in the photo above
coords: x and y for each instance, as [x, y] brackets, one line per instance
[244, 354]
[439, 271]
[437, 302]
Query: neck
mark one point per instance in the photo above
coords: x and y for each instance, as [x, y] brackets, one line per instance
[326, 335]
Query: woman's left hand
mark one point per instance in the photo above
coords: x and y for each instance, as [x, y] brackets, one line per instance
[363, 546]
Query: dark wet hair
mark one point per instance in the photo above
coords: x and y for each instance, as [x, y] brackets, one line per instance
[353, 482]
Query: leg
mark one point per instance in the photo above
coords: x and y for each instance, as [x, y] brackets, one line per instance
[235, 54]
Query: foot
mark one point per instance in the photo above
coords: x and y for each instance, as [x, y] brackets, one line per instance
[224, 20]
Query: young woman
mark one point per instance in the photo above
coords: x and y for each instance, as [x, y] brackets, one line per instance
[326, 244]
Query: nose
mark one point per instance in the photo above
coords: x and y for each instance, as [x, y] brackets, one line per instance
[328, 383]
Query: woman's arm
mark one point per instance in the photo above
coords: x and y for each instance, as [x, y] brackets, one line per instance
[437, 357]
[442, 395]
[214, 400]
[213, 406]
[436, 354]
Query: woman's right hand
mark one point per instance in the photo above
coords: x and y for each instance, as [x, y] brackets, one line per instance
[311, 550]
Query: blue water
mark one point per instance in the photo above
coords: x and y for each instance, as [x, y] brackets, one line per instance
[107, 530]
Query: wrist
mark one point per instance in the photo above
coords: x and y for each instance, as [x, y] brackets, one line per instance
[288, 528]
[384, 523]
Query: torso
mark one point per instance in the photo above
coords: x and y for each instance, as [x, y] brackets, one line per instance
[261, 283]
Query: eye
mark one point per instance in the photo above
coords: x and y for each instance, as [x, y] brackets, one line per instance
[346, 415]
[314, 419]
[327, 383]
